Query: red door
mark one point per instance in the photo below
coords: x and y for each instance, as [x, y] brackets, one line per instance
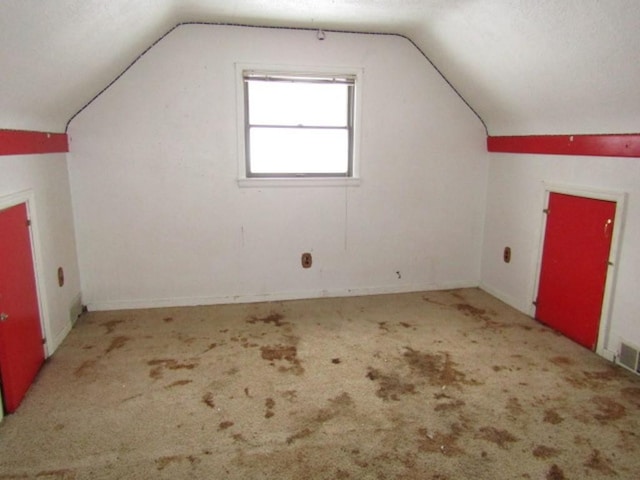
[575, 260]
[21, 350]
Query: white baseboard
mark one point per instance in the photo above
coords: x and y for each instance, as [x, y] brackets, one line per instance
[106, 305]
[608, 354]
[53, 343]
[512, 302]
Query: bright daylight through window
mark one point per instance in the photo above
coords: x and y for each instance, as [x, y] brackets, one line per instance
[298, 125]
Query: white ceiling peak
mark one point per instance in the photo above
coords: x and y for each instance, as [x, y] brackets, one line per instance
[526, 67]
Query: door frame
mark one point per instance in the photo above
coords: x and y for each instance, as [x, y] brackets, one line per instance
[620, 199]
[28, 197]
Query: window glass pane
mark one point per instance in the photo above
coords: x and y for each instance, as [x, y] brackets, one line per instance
[297, 150]
[299, 103]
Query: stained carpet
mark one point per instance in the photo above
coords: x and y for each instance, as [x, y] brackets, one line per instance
[436, 385]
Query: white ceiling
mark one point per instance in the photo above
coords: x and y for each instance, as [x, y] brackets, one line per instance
[525, 66]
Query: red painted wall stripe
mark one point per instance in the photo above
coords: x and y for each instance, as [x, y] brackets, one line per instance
[621, 145]
[22, 142]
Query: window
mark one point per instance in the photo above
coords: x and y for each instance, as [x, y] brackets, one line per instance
[298, 125]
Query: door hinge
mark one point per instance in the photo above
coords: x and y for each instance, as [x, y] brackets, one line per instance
[28, 222]
[546, 211]
[44, 340]
[535, 302]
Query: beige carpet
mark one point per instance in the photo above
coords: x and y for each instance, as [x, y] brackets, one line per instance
[436, 385]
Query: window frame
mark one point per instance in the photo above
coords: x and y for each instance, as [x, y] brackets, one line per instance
[248, 178]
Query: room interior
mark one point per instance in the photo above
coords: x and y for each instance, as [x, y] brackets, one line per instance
[120, 134]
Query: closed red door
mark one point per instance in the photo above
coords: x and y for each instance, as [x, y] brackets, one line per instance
[575, 261]
[21, 349]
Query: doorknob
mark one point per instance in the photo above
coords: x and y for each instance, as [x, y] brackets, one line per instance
[3, 316]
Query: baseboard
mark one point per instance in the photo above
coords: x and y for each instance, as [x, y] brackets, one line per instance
[509, 300]
[270, 297]
[55, 342]
[608, 354]
[75, 310]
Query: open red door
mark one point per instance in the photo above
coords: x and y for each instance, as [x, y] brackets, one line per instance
[21, 350]
[575, 261]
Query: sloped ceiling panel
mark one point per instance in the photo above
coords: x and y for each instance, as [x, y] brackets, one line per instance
[56, 55]
[542, 66]
[526, 67]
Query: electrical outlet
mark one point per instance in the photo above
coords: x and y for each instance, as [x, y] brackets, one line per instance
[306, 260]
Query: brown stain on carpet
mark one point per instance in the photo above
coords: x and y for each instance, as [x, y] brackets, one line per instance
[338, 406]
[473, 312]
[592, 380]
[603, 375]
[111, 325]
[552, 417]
[304, 433]
[598, 462]
[117, 342]
[290, 395]
[287, 353]
[84, 368]
[335, 361]
[383, 326]
[514, 407]
[497, 436]
[207, 399]
[224, 425]
[555, 473]
[390, 386]
[561, 361]
[179, 383]
[61, 474]
[167, 319]
[270, 404]
[441, 442]
[164, 462]
[435, 302]
[544, 452]
[274, 318]
[608, 409]
[438, 368]
[631, 394]
[453, 405]
[161, 364]
[238, 437]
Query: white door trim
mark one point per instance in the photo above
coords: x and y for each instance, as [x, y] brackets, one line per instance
[603, 348]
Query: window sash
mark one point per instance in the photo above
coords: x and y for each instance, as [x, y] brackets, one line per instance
[347, 80]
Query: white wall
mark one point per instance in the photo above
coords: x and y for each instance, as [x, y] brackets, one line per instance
[161, 219]
[516, 196]
[43, 181]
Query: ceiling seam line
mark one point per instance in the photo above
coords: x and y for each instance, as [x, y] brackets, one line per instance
[95, 97]
[306, 29]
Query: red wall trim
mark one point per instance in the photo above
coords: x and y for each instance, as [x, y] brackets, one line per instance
[614, 145]
[22, 142]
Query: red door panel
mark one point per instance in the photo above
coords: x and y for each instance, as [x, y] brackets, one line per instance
[21, 350]
[574, 266]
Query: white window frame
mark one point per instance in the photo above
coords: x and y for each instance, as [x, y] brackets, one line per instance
[255, 181]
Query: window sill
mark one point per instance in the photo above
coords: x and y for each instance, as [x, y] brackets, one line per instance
[298, 182]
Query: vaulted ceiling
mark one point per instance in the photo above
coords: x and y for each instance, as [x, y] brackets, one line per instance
[525, 66]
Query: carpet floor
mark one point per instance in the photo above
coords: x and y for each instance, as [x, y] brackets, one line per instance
[440, 385]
